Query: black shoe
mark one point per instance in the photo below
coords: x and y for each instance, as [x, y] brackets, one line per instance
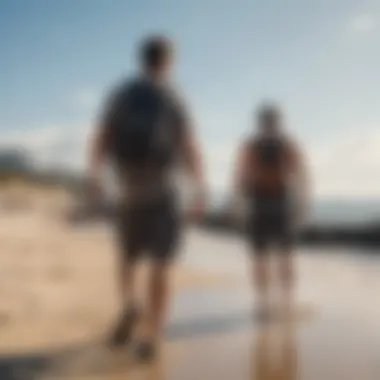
[146, 351]
[122, 333]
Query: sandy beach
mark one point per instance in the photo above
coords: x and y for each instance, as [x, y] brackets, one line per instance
[58, 298]
[58, 283]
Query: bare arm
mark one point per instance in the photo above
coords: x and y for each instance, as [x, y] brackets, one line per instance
[241, 176]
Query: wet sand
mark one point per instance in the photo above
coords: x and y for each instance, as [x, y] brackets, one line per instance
[58, 299]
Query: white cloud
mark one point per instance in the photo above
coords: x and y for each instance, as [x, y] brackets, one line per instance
[364, 23]
[219, 160]
[33, 139]
[52, 145]
[346, 167]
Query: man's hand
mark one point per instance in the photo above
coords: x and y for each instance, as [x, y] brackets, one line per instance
[196, 210]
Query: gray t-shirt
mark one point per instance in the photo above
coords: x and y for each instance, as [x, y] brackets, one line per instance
[150, 182]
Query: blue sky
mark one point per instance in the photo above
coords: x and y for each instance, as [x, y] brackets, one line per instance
[319, 59]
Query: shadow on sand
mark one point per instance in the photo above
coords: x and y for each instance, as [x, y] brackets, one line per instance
[94, 358]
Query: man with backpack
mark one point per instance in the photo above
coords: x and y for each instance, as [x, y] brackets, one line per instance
[146, 132]
[271, 177]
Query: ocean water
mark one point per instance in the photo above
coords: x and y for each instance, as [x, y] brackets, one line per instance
[334, 211]
[346, 211]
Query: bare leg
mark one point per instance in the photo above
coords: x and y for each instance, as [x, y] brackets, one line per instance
[261, 279]
[163, 248]
[158, 297]
[127, 281]
[123, 330]
[287, 278]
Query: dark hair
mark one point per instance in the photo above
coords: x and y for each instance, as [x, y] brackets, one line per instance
[155, 51]
[268, 115]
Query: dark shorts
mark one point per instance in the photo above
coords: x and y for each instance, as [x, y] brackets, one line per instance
[150, 230]
[270, 223]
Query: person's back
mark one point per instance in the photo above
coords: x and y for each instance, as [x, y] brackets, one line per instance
[268, 163]
[270, 160]
[145, 142]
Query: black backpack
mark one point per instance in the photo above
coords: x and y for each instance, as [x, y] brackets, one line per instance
[270, 151]
[140, 125]
[269, 155]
